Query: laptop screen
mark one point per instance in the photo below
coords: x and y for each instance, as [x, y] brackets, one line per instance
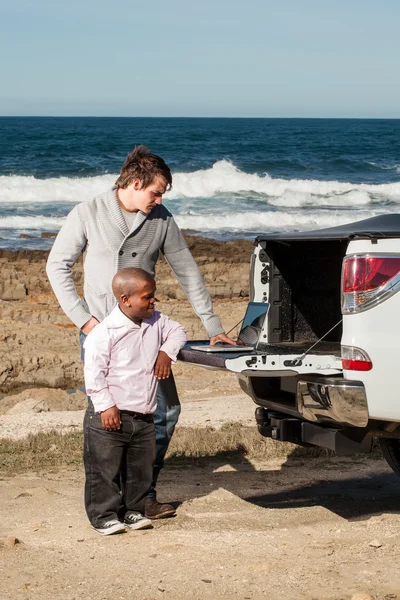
[253, 323]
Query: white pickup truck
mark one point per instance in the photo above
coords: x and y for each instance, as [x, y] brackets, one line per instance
[326, 368]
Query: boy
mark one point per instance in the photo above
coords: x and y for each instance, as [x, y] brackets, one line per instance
[125, 355]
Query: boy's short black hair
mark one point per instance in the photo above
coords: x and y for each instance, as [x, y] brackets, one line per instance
[142, 164]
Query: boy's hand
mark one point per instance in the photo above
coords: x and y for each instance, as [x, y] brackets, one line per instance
[162, 368]
[110, 419]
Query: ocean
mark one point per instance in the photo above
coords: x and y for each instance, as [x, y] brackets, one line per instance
[232, 178]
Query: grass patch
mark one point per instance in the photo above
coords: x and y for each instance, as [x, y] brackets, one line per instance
[232, 439]
[40, 452]
[50, 450]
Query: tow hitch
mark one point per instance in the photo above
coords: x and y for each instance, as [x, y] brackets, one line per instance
[346, 440]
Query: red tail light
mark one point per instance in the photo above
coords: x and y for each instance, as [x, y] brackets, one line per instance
[364, 273]
[356, 365]
[368, 280]
[355, 359]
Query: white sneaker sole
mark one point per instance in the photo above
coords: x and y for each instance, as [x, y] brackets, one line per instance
[118, 528]
[142, 524]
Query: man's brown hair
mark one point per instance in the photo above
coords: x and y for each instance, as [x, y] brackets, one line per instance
[142, 164]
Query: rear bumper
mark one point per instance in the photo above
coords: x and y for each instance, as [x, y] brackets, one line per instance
[332, 399]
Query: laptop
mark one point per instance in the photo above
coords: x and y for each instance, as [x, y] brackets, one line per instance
[250, 331]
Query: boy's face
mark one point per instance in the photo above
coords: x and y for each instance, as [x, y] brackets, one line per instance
[140, 305]
[147, 198]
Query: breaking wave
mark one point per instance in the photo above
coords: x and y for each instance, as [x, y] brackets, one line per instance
[219, 200]
[222, 179]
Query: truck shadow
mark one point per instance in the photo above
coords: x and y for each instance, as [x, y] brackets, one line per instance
[329, 483]
[353, 499]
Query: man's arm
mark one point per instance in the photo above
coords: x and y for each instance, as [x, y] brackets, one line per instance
[187, 273]
[68, 246]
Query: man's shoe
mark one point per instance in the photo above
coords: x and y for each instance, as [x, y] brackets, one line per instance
[156, 510]
[110, 527]
[135, 520]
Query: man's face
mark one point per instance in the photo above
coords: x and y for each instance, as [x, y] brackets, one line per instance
[146, 198]
[140, 305]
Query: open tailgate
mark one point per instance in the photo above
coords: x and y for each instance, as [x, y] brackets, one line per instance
[273, 361]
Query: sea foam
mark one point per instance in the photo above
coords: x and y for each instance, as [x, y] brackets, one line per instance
[235, 222]
[222, 179]
[32, 223]
[17, 188]
[219, 199]
[270, 221]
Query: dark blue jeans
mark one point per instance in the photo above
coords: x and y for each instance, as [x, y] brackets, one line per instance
[165, 418]
[118, 465]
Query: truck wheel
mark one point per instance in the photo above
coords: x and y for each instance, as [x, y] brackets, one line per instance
[391, 452]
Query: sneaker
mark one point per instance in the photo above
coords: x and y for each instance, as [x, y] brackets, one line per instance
[110, 527]
[156, 510]
[135, 520]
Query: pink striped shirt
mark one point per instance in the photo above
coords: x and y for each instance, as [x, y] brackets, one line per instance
[120, 357]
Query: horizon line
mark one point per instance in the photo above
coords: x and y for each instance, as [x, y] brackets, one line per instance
[193, 117]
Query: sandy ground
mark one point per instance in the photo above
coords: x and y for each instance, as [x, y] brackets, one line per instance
[317, 529]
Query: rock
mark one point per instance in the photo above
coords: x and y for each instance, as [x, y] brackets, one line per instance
[39, 345]
[13, 290]
[31, 405]
[9, 541]
[375, 544]
[45, 399]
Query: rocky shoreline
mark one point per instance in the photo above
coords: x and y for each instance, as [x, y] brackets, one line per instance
[39, 345]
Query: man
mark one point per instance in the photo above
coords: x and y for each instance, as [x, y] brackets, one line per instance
[128, 226]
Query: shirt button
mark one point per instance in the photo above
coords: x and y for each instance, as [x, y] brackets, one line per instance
[121, 252]
[134, 254]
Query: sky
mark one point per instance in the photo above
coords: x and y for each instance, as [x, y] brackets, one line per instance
[212, 58]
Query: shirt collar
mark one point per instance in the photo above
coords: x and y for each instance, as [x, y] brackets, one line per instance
[117, 319]
[118, 217]
[115, 210]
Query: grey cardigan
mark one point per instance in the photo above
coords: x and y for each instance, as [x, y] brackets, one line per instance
[98, 229]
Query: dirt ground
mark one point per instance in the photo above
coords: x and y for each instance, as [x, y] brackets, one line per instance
[305, 529]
